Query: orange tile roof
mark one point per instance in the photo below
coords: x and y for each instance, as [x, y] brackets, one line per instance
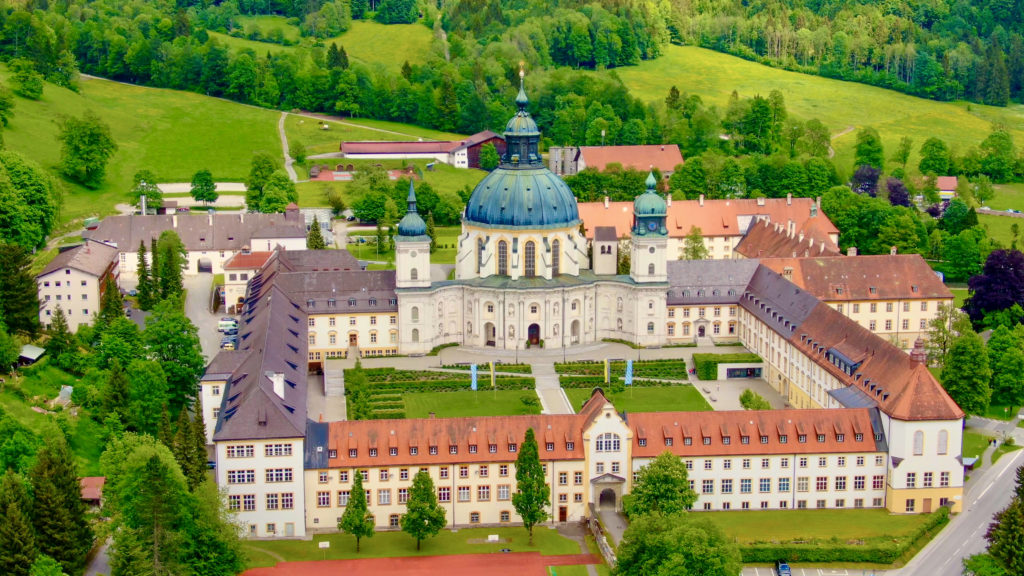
[767, 240]
[881, 277]
[946, 183]
[664, 157]
[713, 217]
[781, 429]
[250, 261]
[92, 487]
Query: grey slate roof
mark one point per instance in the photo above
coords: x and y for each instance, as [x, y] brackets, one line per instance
[605, 234]
[708, 281]
[777, 301]
[198, 231]
[342, 291]
[311, 260]
[91, 257]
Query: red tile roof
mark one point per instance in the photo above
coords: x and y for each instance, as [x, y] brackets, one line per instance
[946, 183]
[713, 217]
[664, 157]
[767, 240]
[882, 277]
[781, 429]
[92, 487]
[250, 261]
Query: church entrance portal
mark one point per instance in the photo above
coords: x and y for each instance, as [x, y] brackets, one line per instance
[700, 331]
[533, 334]
[489, 334]
[607, 499]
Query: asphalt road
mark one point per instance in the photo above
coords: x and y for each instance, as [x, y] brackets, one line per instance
[197, 308]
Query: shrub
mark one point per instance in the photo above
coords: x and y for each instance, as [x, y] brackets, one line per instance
[706, 365]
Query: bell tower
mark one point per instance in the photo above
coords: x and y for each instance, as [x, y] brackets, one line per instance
[648, 256]
[412, 248]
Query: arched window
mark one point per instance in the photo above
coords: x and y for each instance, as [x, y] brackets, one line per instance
[943, 445]
[479, 254]
[650, 269]
[608, 443]
[918, 443]
[618, 323]
[531, 257]
[415, 313]
[415, 334]
[414, 274]
[503, 258]
[556, 257]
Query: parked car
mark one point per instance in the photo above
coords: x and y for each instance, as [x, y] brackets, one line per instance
[227, 324]
[227, 346]
[231, 332]
[782, 568]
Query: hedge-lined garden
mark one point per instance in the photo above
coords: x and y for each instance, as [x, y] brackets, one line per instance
[378, 393]
[671, 369]
[706, 365]
[498, 367]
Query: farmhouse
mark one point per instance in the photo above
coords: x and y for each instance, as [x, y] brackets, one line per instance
[568, 160]
[947, 187]
[75, 280]
[461, 153]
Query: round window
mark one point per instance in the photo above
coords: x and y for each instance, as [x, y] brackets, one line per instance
[412, 254]
[652, 250]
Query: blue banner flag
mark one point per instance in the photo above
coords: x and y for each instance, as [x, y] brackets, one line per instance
[629, 372]
[472, 370]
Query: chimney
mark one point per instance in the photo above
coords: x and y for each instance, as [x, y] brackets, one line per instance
[701, 200]
[606, 202]
[817, 202]
[800, 237]
[918, 354]
[432, 415]
[851, 251]
[790, 228]
[668, 199]
[760, 201]
[142, 199]
[174, 220]
[209, 218]
[892, 251]
[789, 199]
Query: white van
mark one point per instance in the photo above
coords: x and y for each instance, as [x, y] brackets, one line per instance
[226, 324]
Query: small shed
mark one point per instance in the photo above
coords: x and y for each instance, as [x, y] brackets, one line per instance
[92, 489]
[30, 355]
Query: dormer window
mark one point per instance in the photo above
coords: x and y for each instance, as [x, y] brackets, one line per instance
[707, 440]
[373, 301]
[393, 451]
[413, 451]
[783, 439]
[472, 448]
[873, 290]
[744, 439]
[351, 301]
[570, 446]
[352, 453]
[550, 446]
[858, 437]
[373, 452]
[511, 447]
[821, 437]
[801, 438]
[492, 448]
[433, 450]
[687, 441]
[642, 442]
[840, 437]
[764, 439]
[726, 440]
[331, 302]
[453, 449]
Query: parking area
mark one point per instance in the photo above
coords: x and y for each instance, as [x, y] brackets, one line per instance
[197, 308]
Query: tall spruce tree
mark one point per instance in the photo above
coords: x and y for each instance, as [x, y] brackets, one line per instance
[190, 459]
[17, 541]
[154, 272]
[117, 392]
[532, 493]
[357, 520]
[61, 339]
[145, 285]
[111, 303]
[171, 262]
[431, 232]
[315, 239]
[423, 517]
[62, 531]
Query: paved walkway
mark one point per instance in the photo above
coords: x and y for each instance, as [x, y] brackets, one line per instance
[615, 525]
[552, 399]
[288, 160]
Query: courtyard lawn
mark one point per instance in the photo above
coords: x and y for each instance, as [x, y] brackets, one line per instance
[1008, 196]
[975, 444]
[391, 544]
[447, 244]
[839, 105]
[444, 179]
[483, 402]
[814, 525]
[647, 399]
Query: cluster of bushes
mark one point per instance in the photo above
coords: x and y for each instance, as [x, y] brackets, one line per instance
[674, 369]
[706, 365]
[498, 367]
[832, 551]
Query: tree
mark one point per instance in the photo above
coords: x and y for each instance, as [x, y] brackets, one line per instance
[28, 83]
[693, 245]
[751, 400]
[87, 146]
[898, 193]
[869, 150]
[147, 396]
[278, 191]
[1006, 537]
[62, 530]
[315, 239]
[532, 493]
[169, 261]
[865, 180]
[204, 189]
[935, 157]
[676, 545]
[432, 232]
[9, 350]
[19, 304]
[173, 341]
[998, 155]
[17, 540]
[489, 158]
[999, 286]
[902, 154]
[297, 151]
[211, 545]
[6, 105]
[423, 517]
[144, 184]
[45, 566]
[61, 339]
[145, 288]
[190, 454]
[942, 332]
[120, 340]
[263, 165]
[661, 487]
[116, 392]
[29, 201]
[966, 373]
[111, 303]
[357, 520]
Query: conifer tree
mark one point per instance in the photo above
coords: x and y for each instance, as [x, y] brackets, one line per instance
[532, 493]
[154, 272]
[424, 517]
[357, 520]
[62, 531]
[17, 541]
[163, 432]
[61, 340]
[117, 392]
[145, 285]
[190, 456]
[111, 303]
[315, 239]
[431, 232]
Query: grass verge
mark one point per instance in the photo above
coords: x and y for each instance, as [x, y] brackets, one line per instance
[974, 444]
[460, 404]
[647, 399]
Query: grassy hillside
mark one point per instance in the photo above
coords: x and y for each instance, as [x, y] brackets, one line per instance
[174, 134]
[838, 104]
[370, 43]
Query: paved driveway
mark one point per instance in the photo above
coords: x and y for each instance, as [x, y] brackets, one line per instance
[197, 308]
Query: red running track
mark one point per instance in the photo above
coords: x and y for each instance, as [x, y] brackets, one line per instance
[497, 564]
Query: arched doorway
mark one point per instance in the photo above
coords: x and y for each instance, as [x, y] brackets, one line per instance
[489, 334]
[533, 333]
[607, 500]
[700, 331]
[353, 339]
[574, 332]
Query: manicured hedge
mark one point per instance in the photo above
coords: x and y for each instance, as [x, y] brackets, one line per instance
[389, 414]
[498, 367]
[829, 551]
[673, 369]
[453, 384]
[577, 381]
[706, 365]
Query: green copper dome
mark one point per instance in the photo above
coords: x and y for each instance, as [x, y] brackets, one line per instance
[412, 224]
[522, 192]
[650, 203]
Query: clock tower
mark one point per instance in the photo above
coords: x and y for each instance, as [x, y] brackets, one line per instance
[648, 260]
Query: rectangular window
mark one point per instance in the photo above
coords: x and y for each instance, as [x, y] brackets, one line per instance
[840, 482]
[707, 464]
[504, 492]
[483, 493]
[926, 480]
[463, 471]
[910, 505]
[384, 475]
[563, 478]
[403, 495]
[746, 463]
[577, 478]
[383, 497]
[323, 499]
[243, 451]
[911, 480]
[443, 472]
[279, 475]
[503, 470]
[444, 494]
[343, 496]
[277, 450]
[241, 476]
[801, 484]
[322, 477]
[765, 462]
[858, 482]
[943, 479]
[821, 483]
[484, 471]
[272, 501]
[708, 487]
[727, 486]
[249, 502]
[745, 486]
[765, 485]
[464, 494]
[877, 482]
[287, 501]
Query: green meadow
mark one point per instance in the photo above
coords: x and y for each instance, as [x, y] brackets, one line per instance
[839, 105]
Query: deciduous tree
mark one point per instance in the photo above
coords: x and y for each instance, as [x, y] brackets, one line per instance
[87, 146]
[204, 189]
[998, 287]
[661, 487]
[356, 520]
[144, 183]
[173, 341]
[966, 373]
[693, 245]
[489, 158]
[681, 544]
[532, 493]
[869, 150]
[751, 400]
[934, 157]
[423, 517]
